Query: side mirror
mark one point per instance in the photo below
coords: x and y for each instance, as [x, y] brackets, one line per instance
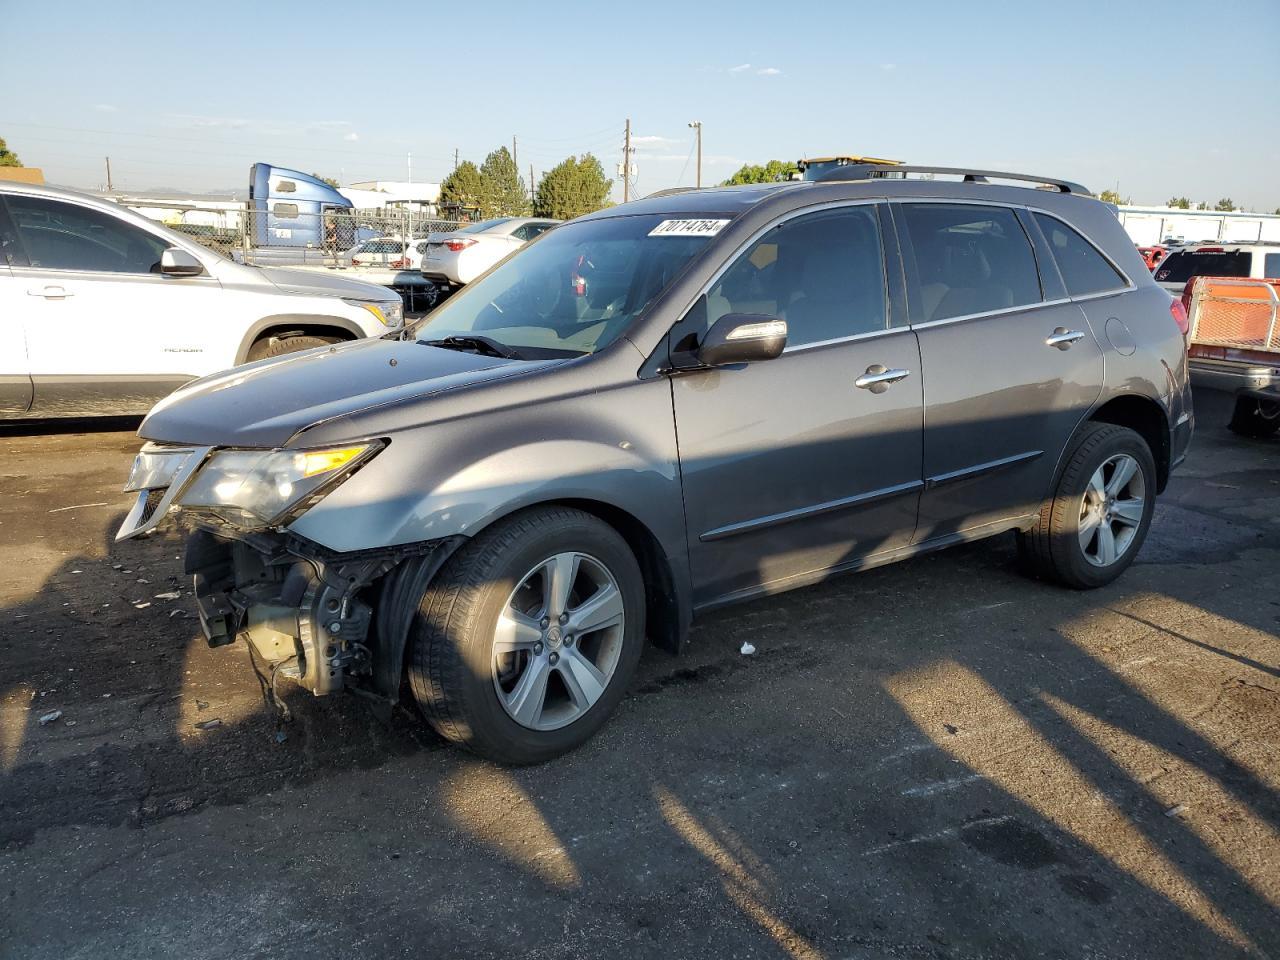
[176, 262]
[742, 338]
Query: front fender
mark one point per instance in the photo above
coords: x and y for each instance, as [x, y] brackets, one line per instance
[451, 478]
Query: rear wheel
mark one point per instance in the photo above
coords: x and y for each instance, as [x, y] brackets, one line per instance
[279, 346]
[1256, 418]
[525, 642]
[1092, 527]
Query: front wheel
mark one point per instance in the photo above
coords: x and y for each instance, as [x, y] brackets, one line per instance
[279, 346]
[525, 642]
[1092, 527]
[1255, 418]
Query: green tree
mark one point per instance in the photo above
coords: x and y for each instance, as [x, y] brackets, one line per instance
[1179, 203]
[1224, 205]
[7, 157]
[1202, 205]
[1110, 196]
[463, 187]
[329, 180]
[1276, 212]
[502, 189]
[571, 188]
[770, 172]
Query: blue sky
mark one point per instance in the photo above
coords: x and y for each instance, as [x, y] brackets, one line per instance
[1162, 98]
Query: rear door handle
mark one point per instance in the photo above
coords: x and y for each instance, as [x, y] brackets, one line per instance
[50, 292]
[1062, 338]
[878, 377]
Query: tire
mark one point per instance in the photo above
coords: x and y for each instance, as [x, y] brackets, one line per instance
[472, 695]
[1255, 418]
[278, 347]
[1068, 543]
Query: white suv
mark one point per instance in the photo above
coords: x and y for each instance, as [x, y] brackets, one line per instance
[103, 311]
[1213, 259]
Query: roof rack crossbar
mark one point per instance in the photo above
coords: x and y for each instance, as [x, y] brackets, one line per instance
[874, 171]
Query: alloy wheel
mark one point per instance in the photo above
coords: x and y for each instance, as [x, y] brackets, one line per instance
[1111, 510]
[558, 641]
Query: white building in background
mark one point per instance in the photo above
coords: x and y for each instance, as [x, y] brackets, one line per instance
[392, 194]
[1150, 225]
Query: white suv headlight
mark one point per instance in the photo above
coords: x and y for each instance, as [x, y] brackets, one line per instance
[261, 488]
[390, 313]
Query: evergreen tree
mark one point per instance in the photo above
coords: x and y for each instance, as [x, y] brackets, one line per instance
[502, 191]
[572, 188]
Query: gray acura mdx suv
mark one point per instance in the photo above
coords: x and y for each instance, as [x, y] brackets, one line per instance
[670, 405]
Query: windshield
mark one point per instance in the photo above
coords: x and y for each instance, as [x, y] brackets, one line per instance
[1182, 266]
[575, 289]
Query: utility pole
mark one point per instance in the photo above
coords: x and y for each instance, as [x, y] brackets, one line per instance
[697, 127]
[532, 198]
[455, 158]
[626, 163]
[515, 161]
[409, 158]
[108, 174]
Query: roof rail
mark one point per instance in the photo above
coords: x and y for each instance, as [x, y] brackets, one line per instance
[670, 192]
[869, 172]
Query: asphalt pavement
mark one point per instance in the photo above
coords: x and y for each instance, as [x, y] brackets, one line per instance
[939, 758]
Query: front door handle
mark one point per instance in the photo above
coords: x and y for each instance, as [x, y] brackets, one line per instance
[50, 292]
[878, 377]
[1062, 338]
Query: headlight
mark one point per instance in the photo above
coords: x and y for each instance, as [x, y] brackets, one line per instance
[390, 313]
[260, 488]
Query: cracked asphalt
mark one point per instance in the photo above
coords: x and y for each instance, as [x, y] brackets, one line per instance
[935, 759]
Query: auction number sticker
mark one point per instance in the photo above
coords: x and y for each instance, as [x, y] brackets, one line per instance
[688, 228]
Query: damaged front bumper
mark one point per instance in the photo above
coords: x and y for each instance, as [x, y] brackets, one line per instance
[328, 621]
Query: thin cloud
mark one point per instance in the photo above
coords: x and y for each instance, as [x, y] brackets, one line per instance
[105, 107]
[200, 120]
[652, 140]
[740, 68]
[769, 72]
[888, 66]
[352, 137]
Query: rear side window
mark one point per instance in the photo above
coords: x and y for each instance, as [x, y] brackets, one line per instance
[66, 236]
[11, 252]
[822, 273]
[970, 259]
[1084, 270]
[1181, 266]
[1271, 266]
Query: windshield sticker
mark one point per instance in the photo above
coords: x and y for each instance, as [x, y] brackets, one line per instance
[688, 228]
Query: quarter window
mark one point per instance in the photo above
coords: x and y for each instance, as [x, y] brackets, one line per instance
[65, 236]
[970, 259]
[1084, 270]
[822, 273]
[1271, 266]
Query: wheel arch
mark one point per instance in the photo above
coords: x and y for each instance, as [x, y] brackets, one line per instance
[300, 324]
[1146, 418]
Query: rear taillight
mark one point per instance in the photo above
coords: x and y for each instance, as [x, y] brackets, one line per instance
[399, 264]
[355, 262]
[1179, 312]
[460, 244]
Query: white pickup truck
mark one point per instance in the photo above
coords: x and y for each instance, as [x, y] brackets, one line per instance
[103, 311]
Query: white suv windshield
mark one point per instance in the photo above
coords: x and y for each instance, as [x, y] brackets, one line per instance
[574, 290]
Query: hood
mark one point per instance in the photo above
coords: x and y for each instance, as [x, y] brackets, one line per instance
[264, 404]
[323, 283]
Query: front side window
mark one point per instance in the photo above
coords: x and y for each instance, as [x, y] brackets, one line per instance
[1084, 270]
[64, 236]
[823, 273]
[970, 259]
[574, 291]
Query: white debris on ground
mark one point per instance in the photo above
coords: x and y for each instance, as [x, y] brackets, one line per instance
[748, 648]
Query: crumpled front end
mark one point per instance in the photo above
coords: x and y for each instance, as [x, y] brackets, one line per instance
[327, 621]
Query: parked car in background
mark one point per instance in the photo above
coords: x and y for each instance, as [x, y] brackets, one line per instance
[458, 257]
[750, 389]
[103, 311]
[391, 253]
[1152, 255]
[1256, 260]
[1235, 347]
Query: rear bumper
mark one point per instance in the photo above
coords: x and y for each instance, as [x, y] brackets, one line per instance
[1235, 377]
[325, 620]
